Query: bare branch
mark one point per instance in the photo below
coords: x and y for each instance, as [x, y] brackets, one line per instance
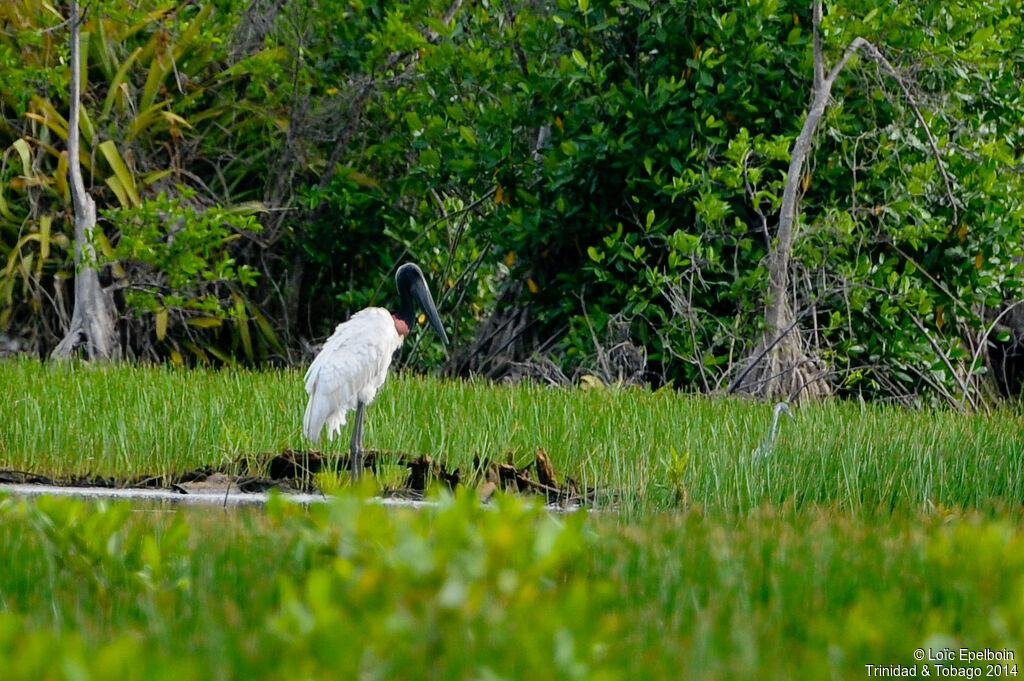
[764, 352]
[949, 366]
[874, 53]
[982, 340]
[450, 12]
[754, 201]
[430, 34]
[819, 56]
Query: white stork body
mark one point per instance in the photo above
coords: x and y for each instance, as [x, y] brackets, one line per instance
[350, 369]
[354, 361]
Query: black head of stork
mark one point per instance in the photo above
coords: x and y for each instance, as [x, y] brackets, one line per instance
[412, 286]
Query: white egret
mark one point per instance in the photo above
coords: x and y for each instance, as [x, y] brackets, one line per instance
[354, 361]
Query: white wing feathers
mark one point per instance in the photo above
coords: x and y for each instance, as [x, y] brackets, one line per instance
[350, 368]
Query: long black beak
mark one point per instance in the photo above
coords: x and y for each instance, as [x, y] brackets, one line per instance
[412, 285]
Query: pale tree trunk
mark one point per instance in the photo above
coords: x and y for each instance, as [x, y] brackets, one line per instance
[780, 366]
[92, 322]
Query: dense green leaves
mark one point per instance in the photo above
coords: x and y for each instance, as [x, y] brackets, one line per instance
[580, 163]
[664, 137]
[154, 82]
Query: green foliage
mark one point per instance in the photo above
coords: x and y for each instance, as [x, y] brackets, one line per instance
[905, 255]
[148, 73]
[665, 132]
[602, 164]
[363, 205]
[353, 589]
[187, 245]
[602, 220]
[182, 268]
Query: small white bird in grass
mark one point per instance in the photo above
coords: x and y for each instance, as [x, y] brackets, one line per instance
[354, 361]
[765, 448]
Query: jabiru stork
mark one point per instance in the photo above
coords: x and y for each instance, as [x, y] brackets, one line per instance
[354, 361]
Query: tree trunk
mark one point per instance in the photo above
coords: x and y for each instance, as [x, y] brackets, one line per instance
[92, 321]
[780, 366]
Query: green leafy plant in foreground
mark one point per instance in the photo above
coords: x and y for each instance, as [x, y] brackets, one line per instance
[352, 589]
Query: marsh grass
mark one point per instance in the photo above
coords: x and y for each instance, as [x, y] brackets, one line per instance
[868, 532]
[655, 449]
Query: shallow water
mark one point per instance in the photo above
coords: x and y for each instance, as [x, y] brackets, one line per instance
[227, 497]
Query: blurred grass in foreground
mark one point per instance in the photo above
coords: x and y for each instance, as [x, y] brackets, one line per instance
[660, 449]
[351, 589]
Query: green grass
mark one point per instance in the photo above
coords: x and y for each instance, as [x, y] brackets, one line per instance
[870, 532]
[355, 590]
[656, 448]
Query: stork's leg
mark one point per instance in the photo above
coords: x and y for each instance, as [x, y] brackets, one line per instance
[356, 447]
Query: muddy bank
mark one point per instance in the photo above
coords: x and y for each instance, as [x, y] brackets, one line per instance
[296, 474]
